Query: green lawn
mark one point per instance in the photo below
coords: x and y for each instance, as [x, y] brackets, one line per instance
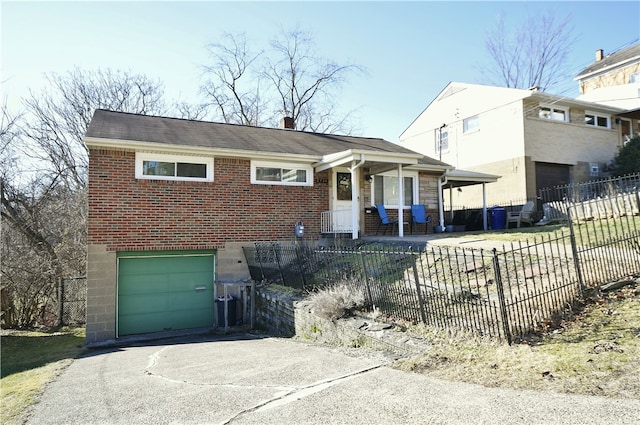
[29, 360]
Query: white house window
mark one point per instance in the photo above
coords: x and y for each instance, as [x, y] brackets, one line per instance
[471, 124]
[553, 113]
[634, 78]
[442, 140]
[385, 189]
[281, 173]
[603, 121]
[173, 167]
[594, 169]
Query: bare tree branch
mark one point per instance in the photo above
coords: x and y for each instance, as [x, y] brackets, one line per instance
[44, 212]
[258, 88]
[534, 55]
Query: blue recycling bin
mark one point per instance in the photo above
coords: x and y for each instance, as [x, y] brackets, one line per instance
[498, 218]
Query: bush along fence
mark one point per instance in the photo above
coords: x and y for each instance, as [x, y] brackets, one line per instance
[504, 294]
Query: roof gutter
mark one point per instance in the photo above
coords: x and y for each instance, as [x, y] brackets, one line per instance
[136, 146]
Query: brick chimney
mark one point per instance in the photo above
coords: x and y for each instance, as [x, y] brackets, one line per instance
[599, 55]
[287, 122]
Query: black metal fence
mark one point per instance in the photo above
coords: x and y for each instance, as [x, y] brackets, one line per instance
[594, 189]
[505, 294]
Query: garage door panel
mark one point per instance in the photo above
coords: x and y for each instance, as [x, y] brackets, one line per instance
[141, 323]
[186, 301]
[144, 285]
[142, 303]
[166, 292]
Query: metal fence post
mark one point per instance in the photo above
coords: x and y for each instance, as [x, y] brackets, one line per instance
[416, 277]
[60, 320]
[300, 261]
[366, 277]
[501, 298]
[276, 252]
[574, 249]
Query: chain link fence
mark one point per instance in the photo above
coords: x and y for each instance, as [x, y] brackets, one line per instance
[72, 302]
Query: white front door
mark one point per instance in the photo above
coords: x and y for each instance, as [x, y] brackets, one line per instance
[342, 201]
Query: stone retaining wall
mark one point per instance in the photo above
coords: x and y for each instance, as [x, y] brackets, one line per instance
[275, 312]
[283, 315]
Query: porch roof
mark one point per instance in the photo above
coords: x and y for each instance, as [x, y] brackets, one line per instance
[380, 162]
[631, 113]
[460, 178]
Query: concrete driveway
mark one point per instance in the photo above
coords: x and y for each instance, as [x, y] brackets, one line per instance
[250, 380]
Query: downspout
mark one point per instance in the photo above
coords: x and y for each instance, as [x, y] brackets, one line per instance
[355, 196]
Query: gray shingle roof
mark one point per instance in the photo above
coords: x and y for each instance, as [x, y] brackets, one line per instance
[610, 60]
[133, 127]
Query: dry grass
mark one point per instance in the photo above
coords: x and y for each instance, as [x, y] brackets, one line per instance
[337, 301]
[596, 353]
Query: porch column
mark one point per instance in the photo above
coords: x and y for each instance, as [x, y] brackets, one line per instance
[484, 206]
[441, 201]
[451, 203]
[400, 202]
[355, 200]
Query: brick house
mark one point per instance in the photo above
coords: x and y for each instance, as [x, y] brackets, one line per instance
[172, 202]
[531, 139]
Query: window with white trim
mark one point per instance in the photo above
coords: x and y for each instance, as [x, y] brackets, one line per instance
[634, 78]
[173, 167]
[597, 120]
[553, 113]
[385, 189]
[471, 124]
[594, 169]
[442, 140]
[281, 173]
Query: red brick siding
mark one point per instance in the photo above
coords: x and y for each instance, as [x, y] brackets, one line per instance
[130, 214]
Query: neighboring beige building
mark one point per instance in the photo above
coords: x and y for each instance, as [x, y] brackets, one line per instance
[529, 138]
[614, 80]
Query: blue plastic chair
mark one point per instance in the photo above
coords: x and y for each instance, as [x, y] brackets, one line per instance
[384, 219]
[419, 216]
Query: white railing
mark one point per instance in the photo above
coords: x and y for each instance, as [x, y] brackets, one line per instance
[338, 221]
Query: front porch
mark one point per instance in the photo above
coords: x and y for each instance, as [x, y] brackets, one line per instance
[361, 218]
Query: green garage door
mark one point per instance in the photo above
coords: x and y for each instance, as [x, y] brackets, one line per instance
[164, 291]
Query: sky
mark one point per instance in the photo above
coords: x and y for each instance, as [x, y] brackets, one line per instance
[410, 50]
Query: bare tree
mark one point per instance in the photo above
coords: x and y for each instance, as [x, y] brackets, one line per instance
[43, 183]
[58, 118]
[533, 55]
[258, 88]
[190, 111]
[233, 90]
[306, 83]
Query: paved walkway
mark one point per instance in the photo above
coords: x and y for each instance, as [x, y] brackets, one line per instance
[250, 380]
